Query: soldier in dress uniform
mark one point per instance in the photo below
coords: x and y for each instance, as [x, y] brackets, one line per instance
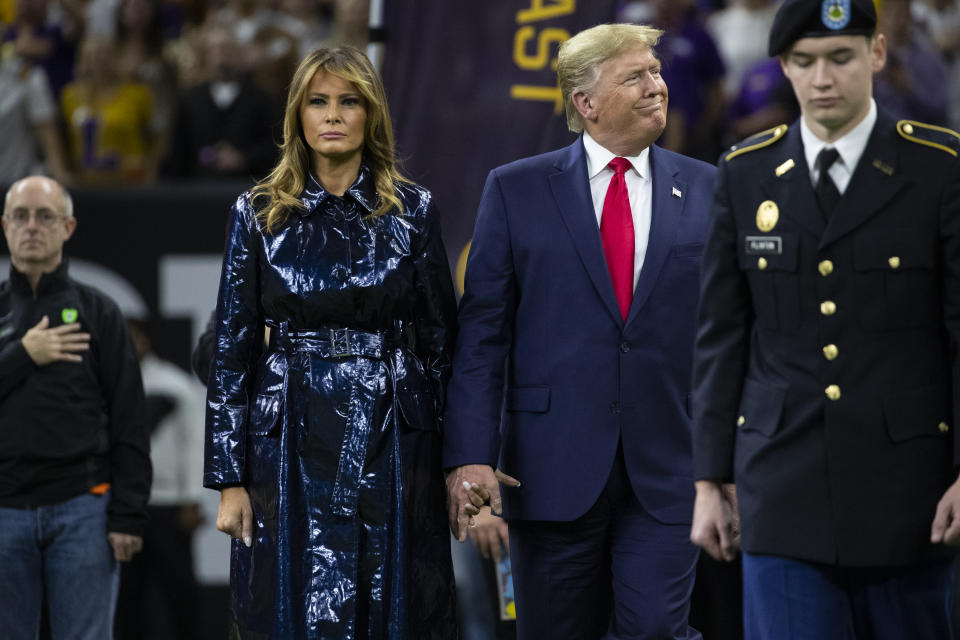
[827, 372]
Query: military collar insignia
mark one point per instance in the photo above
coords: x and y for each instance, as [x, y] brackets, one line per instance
[835, 14]
[883, 166]
[786, 166]
[768, 214]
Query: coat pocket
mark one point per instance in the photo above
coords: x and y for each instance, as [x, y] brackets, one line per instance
[418, 410]
[761, 407]
[917, 413]
[528, 398]
[265, 415]
[897, 284]
[771, 263]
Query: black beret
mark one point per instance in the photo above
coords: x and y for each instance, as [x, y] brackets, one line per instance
[817, 18]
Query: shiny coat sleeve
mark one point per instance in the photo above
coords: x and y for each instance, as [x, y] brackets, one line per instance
[436, 307]
[238, 331]
[475, 397]
[721, 353]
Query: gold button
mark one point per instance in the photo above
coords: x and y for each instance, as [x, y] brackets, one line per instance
[833, 392]
[740, 421]
[825, 267]
[908, 129]
[762, 264]
[944, 427]
[828, 307]
[894, 262]
[830, 351]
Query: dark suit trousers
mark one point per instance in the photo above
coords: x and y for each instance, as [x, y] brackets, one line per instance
[786, 598]
[613, 573]
[166, 563]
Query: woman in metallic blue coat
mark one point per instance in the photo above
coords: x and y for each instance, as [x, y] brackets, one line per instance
[324, 438]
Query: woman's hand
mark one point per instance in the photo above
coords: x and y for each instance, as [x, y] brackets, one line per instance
[235, 515]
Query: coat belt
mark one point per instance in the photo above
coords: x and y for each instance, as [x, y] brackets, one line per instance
[333, 342]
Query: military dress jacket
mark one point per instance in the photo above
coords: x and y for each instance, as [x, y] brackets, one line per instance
[334, 427]
[826, 367]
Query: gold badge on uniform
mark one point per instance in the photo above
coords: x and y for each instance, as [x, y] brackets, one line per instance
[767, 215]
[786, 166]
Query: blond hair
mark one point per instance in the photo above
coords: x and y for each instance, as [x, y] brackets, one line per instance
[580, 57]
[284, 184]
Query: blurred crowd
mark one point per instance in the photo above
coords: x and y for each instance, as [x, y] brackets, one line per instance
[131, 91]
[724, 87]
[106, 92]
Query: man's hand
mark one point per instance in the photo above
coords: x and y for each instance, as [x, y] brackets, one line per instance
[235, 515]
[124, 545]
[716, 524]
[946, 523]
[60, 344]
[470, 487]
[488, 533]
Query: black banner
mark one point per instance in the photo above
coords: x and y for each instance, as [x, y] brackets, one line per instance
[472, 85]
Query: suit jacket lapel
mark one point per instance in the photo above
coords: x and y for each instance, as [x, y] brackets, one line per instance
[665, 211]
[571, 190]
[875, 180]
[792, 192]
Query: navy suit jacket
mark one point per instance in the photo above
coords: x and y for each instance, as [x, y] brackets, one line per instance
[547, 376]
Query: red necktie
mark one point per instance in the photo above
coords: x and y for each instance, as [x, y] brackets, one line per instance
[616, 232]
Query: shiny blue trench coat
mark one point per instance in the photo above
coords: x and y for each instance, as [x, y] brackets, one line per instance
[333, 427]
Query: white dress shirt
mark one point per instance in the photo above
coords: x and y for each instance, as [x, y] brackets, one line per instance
[639, 189]
[850, 147]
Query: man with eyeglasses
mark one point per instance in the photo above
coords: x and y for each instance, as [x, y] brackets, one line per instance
[74, 462]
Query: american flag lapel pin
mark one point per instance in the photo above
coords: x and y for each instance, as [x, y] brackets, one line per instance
[676, 193]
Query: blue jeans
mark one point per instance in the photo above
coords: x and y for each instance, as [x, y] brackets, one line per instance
[786, 599]
[61, 549]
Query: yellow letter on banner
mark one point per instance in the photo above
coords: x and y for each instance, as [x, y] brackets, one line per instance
[538, 11]
[544, 94]
[539, 60]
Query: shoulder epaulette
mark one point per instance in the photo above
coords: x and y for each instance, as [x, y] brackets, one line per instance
[930, 135]
[758, 141]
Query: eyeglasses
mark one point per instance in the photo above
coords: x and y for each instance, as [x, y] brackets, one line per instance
[44, 217]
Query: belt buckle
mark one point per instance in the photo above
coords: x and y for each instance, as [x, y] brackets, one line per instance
[340, 343]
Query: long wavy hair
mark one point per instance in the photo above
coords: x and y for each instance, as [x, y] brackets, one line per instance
[283, 185]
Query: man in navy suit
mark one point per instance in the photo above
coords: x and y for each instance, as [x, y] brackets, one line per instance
[573, 366]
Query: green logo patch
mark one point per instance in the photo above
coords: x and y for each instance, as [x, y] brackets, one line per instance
[69, 316]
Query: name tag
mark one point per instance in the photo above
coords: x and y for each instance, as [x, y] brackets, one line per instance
[763, 245]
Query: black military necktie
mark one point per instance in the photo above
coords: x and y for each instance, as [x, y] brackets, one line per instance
[827, 193]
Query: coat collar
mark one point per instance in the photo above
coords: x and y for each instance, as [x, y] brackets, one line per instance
[363, 190]
[666, 209]
[49, 282]
[571, 189]
[876, 179]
